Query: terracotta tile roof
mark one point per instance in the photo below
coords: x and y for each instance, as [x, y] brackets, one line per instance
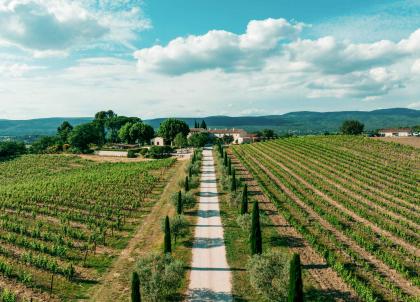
[395, 130]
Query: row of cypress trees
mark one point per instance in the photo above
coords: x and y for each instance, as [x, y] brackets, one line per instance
[295, 289]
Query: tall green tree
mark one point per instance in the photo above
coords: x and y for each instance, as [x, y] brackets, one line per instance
[244, 203]
[12, 149]
[198, 140]
[135, 288]
[352, 127]
[64, 130]
[179, 205]
[167, 239]
[225, 159]
[180, 141]
[85, 134]
[171, 127]
[256, 238]
[203, 125]
[295, 280]
[186, 184]
[233, 183]
[229, 166]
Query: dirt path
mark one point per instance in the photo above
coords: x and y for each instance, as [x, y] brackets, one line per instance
[210, 278]
[320, 273]
[115, 285]
[386, 271]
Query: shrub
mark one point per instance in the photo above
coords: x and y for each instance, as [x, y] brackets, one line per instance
[144, 151]
[131, 154]
[188, 200]
[159, 151]
[269, 275]
[160, 276]
[12, 148]
[179, 226]
[244, 222]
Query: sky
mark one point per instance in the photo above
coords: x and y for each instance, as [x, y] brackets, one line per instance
[161, 58]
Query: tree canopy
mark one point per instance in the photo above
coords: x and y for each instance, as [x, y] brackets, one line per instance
[84, 135]
[171, 127]
[12, 149]
[198, 139]
[352, 127]
[136, 132]
[64, 130]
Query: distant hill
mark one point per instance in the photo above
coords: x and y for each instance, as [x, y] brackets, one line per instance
[310, 122]
[303, 122]
[42, 126]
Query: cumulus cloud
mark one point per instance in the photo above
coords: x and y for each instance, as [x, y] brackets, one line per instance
[52, 26]
[274, 50]
[218, 49]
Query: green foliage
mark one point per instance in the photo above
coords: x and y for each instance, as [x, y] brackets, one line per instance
[135, 288]
[180, 141]
[352, 127]
[8, 149]
[46, 144]
[229, 166]
[179, 207]
[188, 200]
[244, 203]
[171, 127]
[131, 154]
[179, 226]
[268, 275]
[7, 296]
[167, 247]
[160, 276]
[233, 181]
[203, 125]
[136, 132]
[63, 131]
[295, 280]
[255, 237]
[84, 135]
[186, 184]
[198, 140]
[159, 151]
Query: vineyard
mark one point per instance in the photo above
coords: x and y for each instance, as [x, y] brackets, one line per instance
[63, 220]
[356, 200]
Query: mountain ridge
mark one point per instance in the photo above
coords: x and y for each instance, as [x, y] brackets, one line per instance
[296, 122]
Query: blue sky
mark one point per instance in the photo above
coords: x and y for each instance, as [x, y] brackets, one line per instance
[196, 58]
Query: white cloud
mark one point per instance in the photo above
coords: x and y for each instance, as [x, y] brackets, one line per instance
[55, 26]
[218, 49]
[273, 55]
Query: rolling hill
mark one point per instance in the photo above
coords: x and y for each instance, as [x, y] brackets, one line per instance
[296, 122]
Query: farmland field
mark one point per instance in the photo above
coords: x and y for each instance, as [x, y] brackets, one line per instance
[356, 200]
[64, 219]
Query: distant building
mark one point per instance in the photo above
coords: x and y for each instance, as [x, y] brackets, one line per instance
[239, 136]
[158, 141]
[393, 132]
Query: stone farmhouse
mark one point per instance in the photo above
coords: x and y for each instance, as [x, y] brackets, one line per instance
[394, 132]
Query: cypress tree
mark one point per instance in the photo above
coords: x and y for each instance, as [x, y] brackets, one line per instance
[186, 184]
[135, 288]
[244, 204]
[190, 172]
[167, 240]
[233, 184]
[179, 204]
[256, 239]
[229, 166]
[295, 281]
[225, 159]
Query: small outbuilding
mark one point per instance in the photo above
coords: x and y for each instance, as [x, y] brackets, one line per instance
[158, 141]
[396, 132]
